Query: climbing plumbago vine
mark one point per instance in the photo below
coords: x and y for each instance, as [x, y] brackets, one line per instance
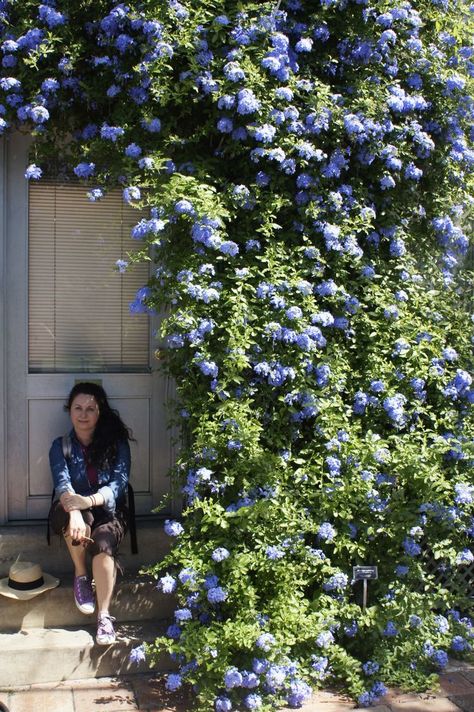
[307, 169]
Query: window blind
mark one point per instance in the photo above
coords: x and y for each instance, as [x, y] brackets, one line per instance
[79, 319]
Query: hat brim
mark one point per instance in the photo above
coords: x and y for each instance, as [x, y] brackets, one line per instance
[49, 583]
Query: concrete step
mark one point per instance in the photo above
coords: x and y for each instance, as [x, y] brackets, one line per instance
[28, 541]
[136, 599]
[51, 655]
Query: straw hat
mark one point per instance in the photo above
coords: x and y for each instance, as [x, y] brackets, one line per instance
[26, 580]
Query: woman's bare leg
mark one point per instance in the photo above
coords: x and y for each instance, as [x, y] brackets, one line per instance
[104, 574]
[78, 556]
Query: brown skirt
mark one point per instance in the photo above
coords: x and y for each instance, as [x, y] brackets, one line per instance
[107, 530]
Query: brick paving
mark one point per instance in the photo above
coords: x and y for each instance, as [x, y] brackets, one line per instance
[147, 693]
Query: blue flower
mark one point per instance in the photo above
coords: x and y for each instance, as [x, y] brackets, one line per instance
[265, 641]
[412, 172]
[326, 532]
[440, 658]
[402, 570]
[124, 42]
[337, 582]
[462, 380]
[361, 401]
[152, 125]
[220, 554]
[334, 465]
[33, 172]
[387, 182]
[305, 44]
[9, 46]
[137, 655]
[225, 125]
[262, 178]
[10, 83]
[370, 667]
[300, 691]
[294, 313]
[49, 85]
[265, 133]
[229, 247]
[133, 150]
[233, 72]
[441, 623]
[411, 547]
[393, 406]
[187, 576]
[390, 630]
[121, 266]
[327, 288]
[449, 354]
[365, 699]
[325, 639]
[222, 704]
[39, 114]
[50, 16]
[131, 194]
[146, 163]
[247, 103]
[232, 678]
[111, 133]
[144, 227]
[391, 312]
[167, 584]
[174, 631]
[460, 644]
[284, 93]
[173, 682]
[183, 614]
[253, 701]
[216, 595]
[320, 665]
[173, 528]
[274, 553]
[465, 557]
[464, 493]
[184, 207]
[84, 170]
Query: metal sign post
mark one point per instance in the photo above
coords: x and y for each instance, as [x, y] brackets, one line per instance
[364, 574]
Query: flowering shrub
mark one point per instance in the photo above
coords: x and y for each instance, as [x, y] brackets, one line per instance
[307, 169]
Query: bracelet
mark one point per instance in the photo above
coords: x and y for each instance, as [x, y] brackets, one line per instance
[92, 499]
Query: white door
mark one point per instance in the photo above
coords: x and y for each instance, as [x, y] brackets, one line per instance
[67, 320]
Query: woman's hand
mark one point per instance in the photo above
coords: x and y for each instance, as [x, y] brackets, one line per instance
[72, 502]
[77, 528]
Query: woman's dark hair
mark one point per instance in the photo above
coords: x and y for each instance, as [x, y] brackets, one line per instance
[110, 428]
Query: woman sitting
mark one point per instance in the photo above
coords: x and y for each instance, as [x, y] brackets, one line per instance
[90, 475]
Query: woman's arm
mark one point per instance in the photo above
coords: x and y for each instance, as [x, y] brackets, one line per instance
[59, 469]
[116, 487]
[71, 501]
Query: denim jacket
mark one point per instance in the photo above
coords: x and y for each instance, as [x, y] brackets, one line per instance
[70, 475]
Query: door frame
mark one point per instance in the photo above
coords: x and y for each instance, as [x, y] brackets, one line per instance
[16, 382]
[3, 331]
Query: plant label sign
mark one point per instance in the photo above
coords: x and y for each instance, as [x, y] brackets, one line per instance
[365, 573]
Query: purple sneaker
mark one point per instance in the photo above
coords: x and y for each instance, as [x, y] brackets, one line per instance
[105, 629]
[84, 595]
